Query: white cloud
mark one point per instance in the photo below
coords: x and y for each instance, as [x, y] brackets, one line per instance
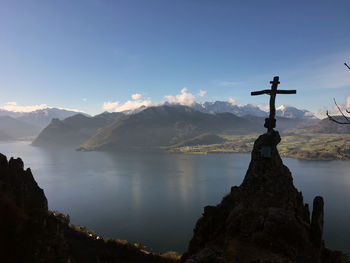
[232, 101]
[184, 98]
[136, 96]
[348, 102]
[321, 113]
[202, 93]
[134, 104]
[343, 107]
[128, 105]
[110, 106]
[13, 106]
[264, 107]
[84, 99]
[228, 83]
[75, 110]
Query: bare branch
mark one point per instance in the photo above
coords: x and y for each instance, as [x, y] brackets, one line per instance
[341, 111]
[336, 121]
[347, 65]
[331, 118]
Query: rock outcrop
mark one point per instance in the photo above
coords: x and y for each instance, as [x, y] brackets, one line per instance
[31, 233]
[263, 220]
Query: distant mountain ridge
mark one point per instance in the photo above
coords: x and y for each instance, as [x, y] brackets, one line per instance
[225, 106]
[75, 129]
[164, 126]
[152, 127]
[32, 123]
[15, 129]
[212, 107]
[27, 125]
[41, 117]
[254, 110]
[294, 113]
[327, 126]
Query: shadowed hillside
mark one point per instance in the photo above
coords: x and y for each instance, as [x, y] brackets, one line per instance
[165, 125]
[327, 126]
[14, 129]
[74, 130]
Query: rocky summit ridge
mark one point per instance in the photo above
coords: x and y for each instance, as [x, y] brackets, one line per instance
[264, 220]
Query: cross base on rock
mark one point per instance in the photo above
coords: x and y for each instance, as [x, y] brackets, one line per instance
[270, 123]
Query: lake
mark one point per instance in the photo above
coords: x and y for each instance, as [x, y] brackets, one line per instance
[155, 198]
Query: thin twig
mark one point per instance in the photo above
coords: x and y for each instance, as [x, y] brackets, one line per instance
[341, 111]
[347, 65]
[336, 121]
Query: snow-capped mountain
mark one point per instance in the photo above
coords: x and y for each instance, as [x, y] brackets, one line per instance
[240, 110]
[225, 106]
[294, 113]
[250, 109]
[133, 111]
[41, 117]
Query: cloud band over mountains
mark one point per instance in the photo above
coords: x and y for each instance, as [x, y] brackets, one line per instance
[184, 98]
[14, 107]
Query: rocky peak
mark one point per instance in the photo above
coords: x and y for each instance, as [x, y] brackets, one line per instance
[31, 233]
[262, 220]
[20, 185]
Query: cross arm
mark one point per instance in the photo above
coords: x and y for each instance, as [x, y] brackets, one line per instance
[265, 91]
[281, 91]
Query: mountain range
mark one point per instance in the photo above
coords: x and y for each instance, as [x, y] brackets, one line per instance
[27, 125]
[157, 126]
[74, 130]
[173, 124]
[326, 126]
[41, 117]
[250, 109]
[164, 126]
[15, 129]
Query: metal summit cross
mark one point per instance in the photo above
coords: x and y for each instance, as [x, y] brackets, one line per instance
[270, 122]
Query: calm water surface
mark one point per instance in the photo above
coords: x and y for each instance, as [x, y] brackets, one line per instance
[156, 198]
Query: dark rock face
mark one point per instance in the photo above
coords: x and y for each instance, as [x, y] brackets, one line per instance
[31, 233]
[262, 220]
[28, 195]
[317, 221]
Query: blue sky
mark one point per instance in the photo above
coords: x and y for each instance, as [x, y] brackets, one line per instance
[86, 54]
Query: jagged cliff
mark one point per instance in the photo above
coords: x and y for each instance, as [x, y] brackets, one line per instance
[31, 233]
[262, 220]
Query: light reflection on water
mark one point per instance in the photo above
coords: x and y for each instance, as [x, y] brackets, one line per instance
[156, 198]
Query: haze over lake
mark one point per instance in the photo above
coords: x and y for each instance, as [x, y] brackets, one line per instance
[156, 198]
